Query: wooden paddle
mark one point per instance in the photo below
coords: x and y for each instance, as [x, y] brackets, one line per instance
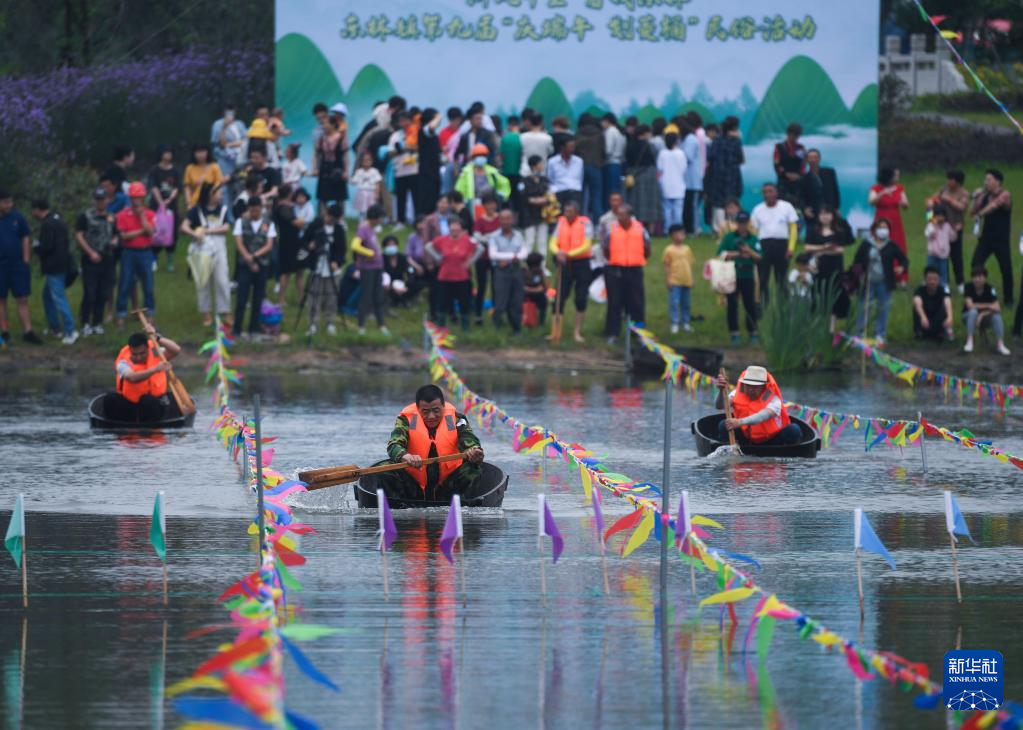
[331, 476]
[733, 445]
[555, 336]
[184, 401]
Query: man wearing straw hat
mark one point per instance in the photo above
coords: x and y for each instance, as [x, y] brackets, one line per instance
[758, 410]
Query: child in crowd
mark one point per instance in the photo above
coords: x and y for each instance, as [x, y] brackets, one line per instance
[536, 286]
[801, 277]
[981, 302]
[732, 208]
[367, 181]
[294, 168]
[276, 124]
[533, 191]
[940, 234]
[325, 242]
[369, 261]
[304, 207]
[678, 274]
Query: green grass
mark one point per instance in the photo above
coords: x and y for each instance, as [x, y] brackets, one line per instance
[178, 317]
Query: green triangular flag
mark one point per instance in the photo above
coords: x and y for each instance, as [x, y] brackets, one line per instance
[158, 528]
[15, 540]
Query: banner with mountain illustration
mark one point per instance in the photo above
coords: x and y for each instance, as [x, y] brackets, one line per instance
[768, 62]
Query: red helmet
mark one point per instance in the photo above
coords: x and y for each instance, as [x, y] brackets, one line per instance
[480, 150]
[136, 190]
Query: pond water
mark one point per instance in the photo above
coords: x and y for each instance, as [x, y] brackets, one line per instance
[99, 645]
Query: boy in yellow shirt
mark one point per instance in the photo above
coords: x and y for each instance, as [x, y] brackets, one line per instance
[678, 275]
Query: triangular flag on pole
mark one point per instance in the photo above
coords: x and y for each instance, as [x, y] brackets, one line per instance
[388, 531]
[683, 523]
[158, 528]
[549, 528]
[955, 523]
[15, 539]
[452, 528]
[866, 539]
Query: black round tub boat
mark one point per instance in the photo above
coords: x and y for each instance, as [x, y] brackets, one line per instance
[172, 419]
[705, 433]
[488, 492]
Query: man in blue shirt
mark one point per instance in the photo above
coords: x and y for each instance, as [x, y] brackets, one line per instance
[15, 276]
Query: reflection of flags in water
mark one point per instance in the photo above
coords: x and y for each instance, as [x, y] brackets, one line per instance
[158, 528]
[548, 527]
[955, 523]
[598, 516]
[867, 539]
[15, 539]
[452, 529]
[388, 532]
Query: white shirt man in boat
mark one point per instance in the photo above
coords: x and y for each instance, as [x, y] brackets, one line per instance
[425, 429]
[758, 411]
[142, 379]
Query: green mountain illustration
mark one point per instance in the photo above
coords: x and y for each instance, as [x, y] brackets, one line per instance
[647, 113]
[801, 91]
[864, 109]
[694, 106]
[303, 78]
[548, 99]
[588, 102]
[368, 87]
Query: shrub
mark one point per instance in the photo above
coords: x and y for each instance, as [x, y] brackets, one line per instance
[796, 332]
[917, 145]
[76, 115]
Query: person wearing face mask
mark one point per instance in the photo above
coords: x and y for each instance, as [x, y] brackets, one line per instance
[480, 178]
[880, 262]
[398, 268]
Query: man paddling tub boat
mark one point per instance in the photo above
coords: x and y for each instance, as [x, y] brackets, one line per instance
[758, 410]
[424, 429]
[142, 378]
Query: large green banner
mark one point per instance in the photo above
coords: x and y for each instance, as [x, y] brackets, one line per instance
[768, 62]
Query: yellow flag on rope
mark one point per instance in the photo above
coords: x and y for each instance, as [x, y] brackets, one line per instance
[827, 638]
[730, 596]
[706, 522]
[584, 473]
[640, 534]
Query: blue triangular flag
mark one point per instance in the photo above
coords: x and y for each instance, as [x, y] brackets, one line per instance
[955, 523]
[867, 539]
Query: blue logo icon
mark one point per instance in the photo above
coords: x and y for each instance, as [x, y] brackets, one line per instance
[973, 680]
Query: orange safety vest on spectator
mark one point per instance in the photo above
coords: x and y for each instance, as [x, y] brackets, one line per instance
[573, 235]
[743, 406]
[627, 245]
[155, 385]
[419, 442]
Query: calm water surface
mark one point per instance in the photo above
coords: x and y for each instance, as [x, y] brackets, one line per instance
[499, 655]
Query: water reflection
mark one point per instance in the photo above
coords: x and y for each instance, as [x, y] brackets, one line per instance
[429, 654]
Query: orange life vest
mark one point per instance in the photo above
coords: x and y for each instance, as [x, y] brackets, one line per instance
[743, 406]
[155, 385]
[627, 245]
[419, 442]
[573, 235]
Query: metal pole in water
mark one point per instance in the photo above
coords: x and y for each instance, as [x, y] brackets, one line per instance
[666, 486]
[260, 518]
[923, 439]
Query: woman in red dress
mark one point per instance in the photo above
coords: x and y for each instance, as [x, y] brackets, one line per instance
[889, 199]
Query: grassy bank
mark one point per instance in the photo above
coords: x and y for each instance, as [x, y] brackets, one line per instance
[177, 315]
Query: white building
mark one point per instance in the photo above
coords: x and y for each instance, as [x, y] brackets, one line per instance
[923, 72]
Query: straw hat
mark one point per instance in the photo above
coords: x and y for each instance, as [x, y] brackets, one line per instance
[754, 375]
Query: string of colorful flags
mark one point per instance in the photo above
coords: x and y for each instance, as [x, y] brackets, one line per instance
[733, 585]
[999, 394]
[947, 36]
[246, 676]
[829, 425]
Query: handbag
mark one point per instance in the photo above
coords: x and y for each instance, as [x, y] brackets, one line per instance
[163, 234]
[721, 275]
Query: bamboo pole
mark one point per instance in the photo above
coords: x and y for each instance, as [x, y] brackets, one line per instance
[955, 568]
